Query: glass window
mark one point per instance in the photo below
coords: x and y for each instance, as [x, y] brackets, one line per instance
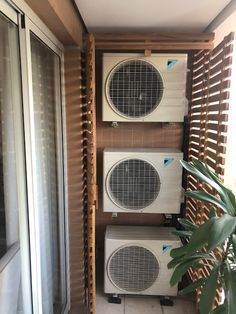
[11, 124]
[47, 108]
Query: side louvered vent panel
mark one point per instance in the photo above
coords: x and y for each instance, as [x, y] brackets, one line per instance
[74, 123]
[133, 268]
[135, 88]
[134, 184]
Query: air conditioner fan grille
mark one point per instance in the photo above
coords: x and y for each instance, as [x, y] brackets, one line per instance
[133, 268]
[135, 88]
[134, 184]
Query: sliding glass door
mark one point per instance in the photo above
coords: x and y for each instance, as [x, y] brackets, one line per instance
[33, 276]
[47, 138]
[14, 253]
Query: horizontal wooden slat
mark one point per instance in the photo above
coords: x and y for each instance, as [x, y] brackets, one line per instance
[217, 78]
[154, 36]
[216, 107]
[216, 136]
[220, 66]
[217, 127]
[154, 46]
[200, 79]
[199, 72]
[224, 53]
[215, 98]
[227, 40]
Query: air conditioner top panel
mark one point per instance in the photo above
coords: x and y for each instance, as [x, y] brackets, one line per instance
[163, 151]
[140, 233]
[141, 55]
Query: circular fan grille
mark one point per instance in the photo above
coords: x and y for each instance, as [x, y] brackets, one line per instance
[134, 184]
[135, 88]
[133, 268]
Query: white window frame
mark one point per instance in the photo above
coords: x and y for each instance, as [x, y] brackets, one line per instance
[13, 15]
[15, 10]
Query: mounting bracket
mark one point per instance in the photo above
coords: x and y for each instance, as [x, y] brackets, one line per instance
[166, 301]
[115, 299]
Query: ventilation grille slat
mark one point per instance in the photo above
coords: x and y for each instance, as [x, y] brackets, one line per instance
[135, 88]
[134, 184]
[133, 268]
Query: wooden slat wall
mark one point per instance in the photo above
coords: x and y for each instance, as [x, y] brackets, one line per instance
[208, 121]
[126, 135]
[89, 133]
[75, 166]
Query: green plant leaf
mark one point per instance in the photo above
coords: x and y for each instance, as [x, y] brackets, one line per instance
[212, 213]
[187, 224]
[182, 233]
[221, 309]
[198, 265]
[232, 199]
[175, 261]
[211, 179]
[201, 176]
[193, 286]
[184, 263]
[234, 244]
[206, 197]
[201, 255]
[200, 237]
[178, 260]
[209, 291]
[220, 230]
[178, 252]
[203, 167]
[228, 195]
[179, 271]
[230, 280]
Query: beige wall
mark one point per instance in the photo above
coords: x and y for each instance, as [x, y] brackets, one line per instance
[61, 18]
[229, 25]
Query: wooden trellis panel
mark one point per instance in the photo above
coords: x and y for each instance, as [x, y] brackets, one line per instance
[208, 122]
[89, 132]
[74, 123]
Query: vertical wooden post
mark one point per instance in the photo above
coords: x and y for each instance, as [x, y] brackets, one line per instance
[89, 123]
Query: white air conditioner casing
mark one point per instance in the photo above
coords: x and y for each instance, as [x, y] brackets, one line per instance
[126, 86]
[136, 260]
[142, 180]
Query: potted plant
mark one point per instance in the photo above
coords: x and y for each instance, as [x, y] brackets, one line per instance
[217, 234]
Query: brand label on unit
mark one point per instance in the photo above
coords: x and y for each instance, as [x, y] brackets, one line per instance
[166, 248]
[171, 63]
[168, 161]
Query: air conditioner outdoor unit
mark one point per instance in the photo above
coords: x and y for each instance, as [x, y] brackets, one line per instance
[142, 180]
[136, 260]
[148, 89]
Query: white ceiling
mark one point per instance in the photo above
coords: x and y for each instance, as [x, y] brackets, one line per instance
[149, 15]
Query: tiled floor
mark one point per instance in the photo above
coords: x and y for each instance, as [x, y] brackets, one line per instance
[142, 305]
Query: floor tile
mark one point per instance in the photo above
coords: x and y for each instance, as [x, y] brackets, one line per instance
[103, 307]
[142, 305]
[180, 307]
[190, 307]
